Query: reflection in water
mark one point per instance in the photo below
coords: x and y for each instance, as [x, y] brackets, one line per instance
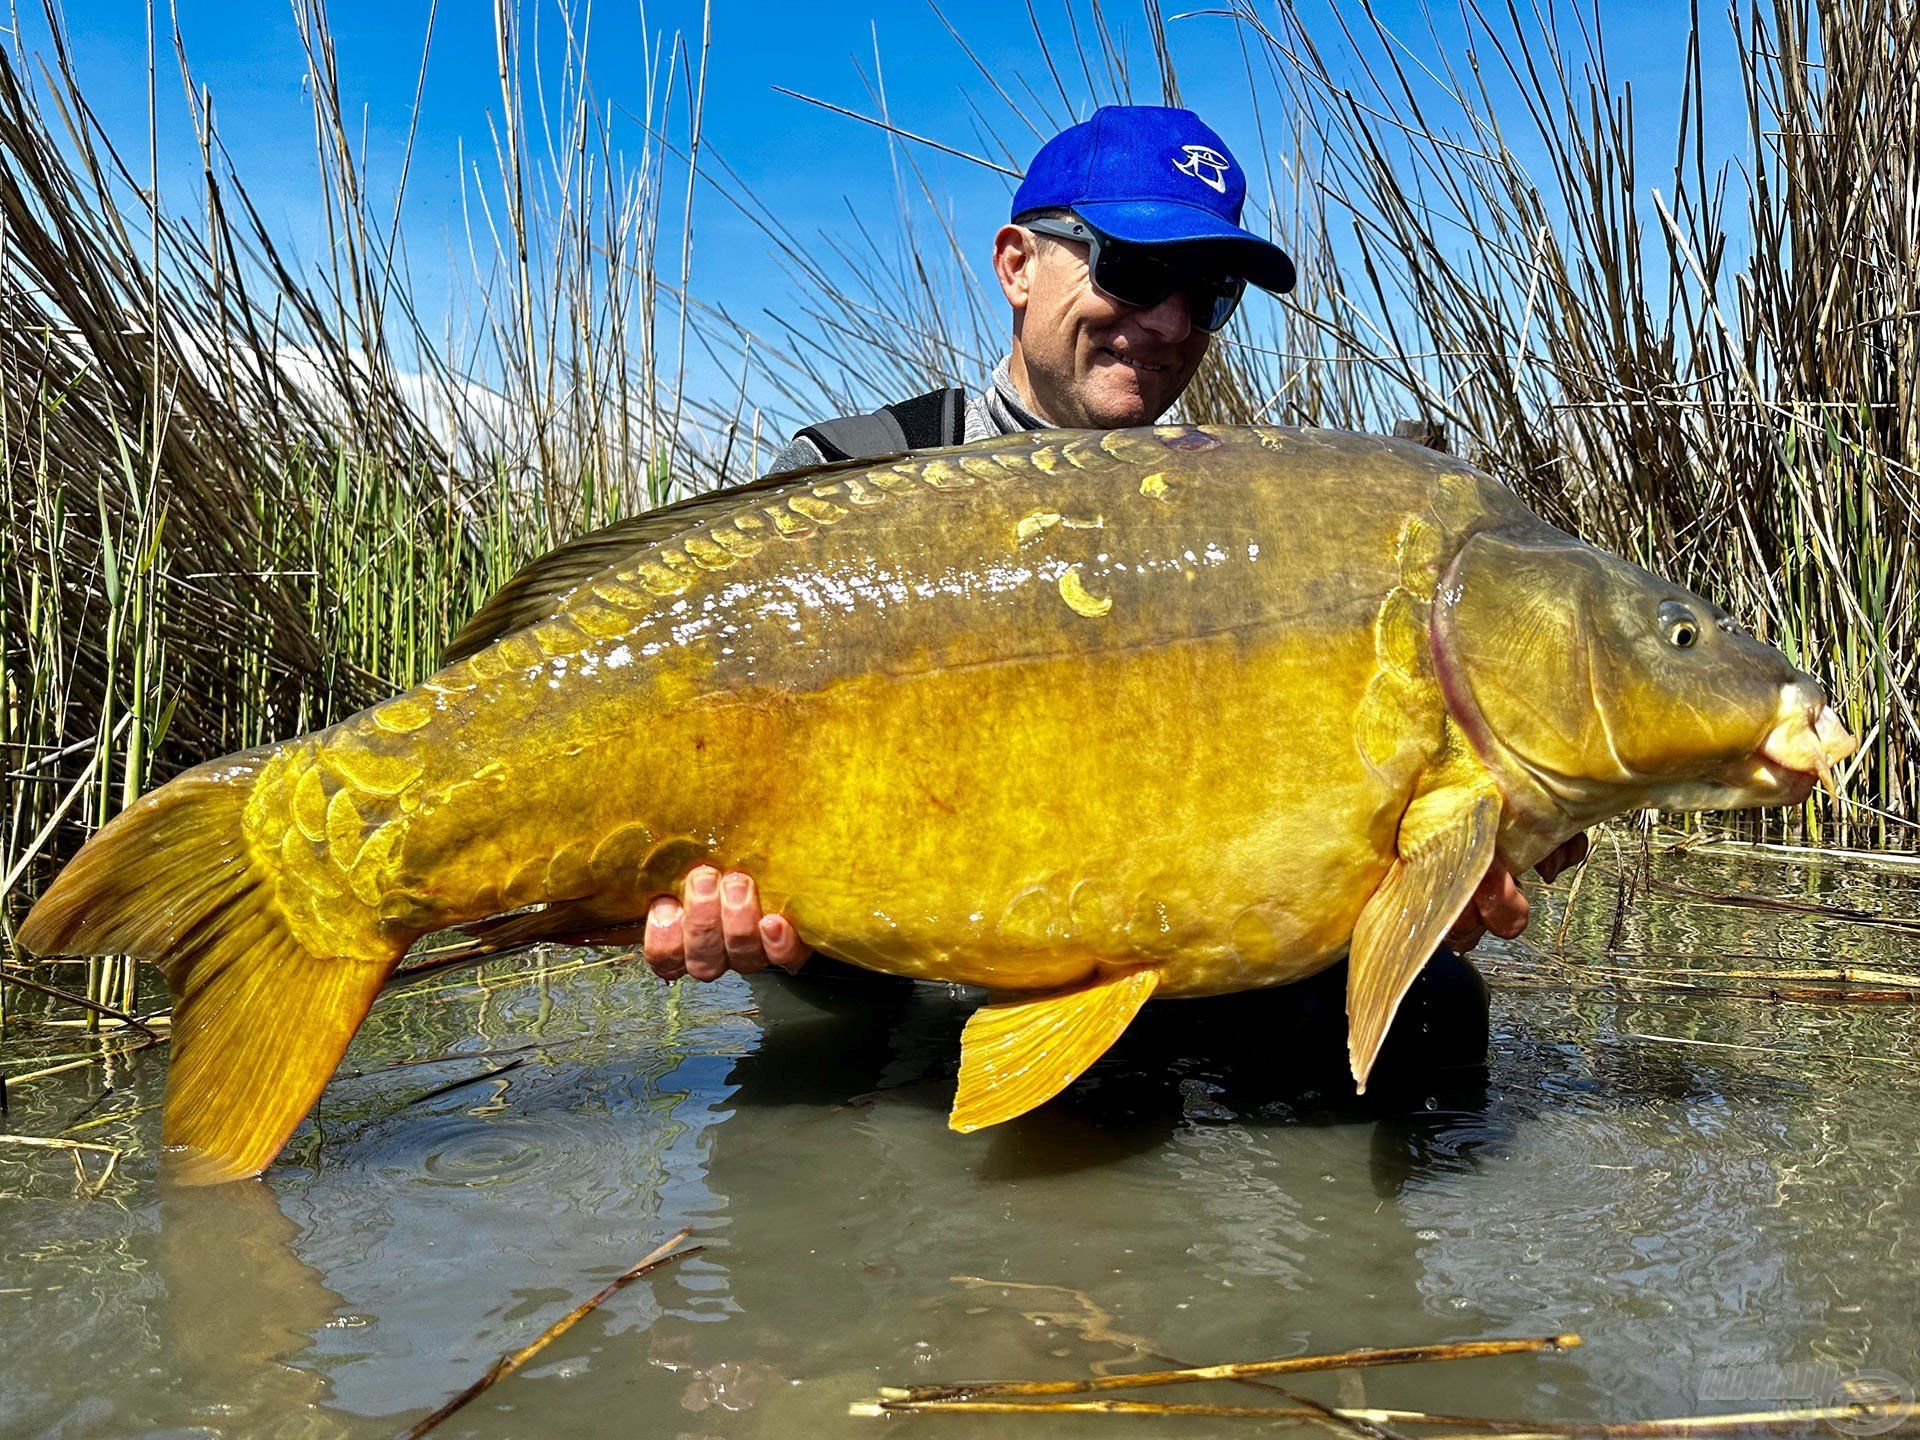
[239, 1308]
[1708, 1202]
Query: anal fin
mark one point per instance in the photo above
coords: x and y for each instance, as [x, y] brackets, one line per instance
[1019, 1053]
[1415, 906]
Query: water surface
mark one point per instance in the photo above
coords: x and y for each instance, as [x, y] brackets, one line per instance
[1720, 1191]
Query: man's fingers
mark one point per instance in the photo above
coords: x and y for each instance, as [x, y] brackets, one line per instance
[1503, 909]
[717, 926]
[1467, 932]
[1564, 857]
[740, 922]
[663, 943]
[782, 945]
[706, 945]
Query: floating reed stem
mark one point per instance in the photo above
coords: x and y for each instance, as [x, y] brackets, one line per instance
[1901, 1415]
[1245, 1370]
[89, 1186]
[11, 976]
[1301, 1413]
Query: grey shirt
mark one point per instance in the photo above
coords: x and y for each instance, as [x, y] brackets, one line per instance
[997, 411]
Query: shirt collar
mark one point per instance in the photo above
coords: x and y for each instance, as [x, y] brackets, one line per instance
[1010, 412]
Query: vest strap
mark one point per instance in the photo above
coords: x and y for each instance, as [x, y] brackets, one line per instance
[925, 422]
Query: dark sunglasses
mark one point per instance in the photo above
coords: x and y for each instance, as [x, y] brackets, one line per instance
[1144, 275]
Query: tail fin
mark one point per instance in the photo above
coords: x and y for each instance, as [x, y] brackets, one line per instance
[260, 1020]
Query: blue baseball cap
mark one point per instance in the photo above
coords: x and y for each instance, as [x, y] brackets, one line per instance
[1152, 175]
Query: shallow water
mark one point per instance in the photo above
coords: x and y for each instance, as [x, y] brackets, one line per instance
[1719, 1191]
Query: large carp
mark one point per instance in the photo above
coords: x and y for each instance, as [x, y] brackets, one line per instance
[1080, 718]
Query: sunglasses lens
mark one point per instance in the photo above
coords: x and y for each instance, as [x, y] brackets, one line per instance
[1214, 300]
[1133, 277]
[1140, 278]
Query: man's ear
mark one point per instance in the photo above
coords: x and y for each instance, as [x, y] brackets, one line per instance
[1015, 253]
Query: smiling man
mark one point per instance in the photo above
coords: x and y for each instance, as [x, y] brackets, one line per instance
[1123, 257]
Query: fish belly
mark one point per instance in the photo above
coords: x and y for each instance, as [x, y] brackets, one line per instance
[1023, 826]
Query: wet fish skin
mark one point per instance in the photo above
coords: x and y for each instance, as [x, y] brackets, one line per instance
[1049, 711]
[827, 681]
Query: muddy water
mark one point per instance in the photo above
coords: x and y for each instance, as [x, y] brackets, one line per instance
[1720, 1191]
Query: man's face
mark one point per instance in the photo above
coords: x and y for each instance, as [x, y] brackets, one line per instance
[1084, 358]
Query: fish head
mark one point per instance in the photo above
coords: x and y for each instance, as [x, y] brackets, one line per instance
[1592, 687]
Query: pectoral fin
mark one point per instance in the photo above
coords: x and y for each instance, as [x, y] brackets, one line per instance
[1423, 894]
[1017, 1054]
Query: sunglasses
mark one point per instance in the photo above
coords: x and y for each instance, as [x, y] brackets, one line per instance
[1144, 275]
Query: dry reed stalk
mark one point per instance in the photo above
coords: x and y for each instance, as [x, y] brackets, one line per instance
[1899, 1416]
[1293, 1365]
[513, 1360]
[90, 1186]
[119, 1017]
[1300, 1414]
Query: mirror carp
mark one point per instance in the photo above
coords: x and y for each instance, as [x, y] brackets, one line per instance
[1079, 718]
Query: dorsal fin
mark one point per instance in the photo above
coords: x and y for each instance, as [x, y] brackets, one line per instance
[535, 593]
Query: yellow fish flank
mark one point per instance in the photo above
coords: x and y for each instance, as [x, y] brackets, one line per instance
[1082, 719]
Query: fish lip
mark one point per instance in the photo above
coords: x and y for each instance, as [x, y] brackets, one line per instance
[1801, 749]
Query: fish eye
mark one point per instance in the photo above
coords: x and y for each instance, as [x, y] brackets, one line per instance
[1678, 624]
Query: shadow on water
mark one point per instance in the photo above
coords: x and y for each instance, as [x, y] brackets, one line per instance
[239, 1306]
[1271, 1058]
[239, 1310]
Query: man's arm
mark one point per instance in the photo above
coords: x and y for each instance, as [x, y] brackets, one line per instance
[798, 454]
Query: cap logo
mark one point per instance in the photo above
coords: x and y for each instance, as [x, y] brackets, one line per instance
[1206, 165]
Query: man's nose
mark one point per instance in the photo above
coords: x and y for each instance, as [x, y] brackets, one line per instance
[1171, 320]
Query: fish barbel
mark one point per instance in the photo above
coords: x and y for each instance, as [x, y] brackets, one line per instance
[1080, 718]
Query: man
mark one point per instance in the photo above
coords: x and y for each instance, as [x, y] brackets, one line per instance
[1124, 255]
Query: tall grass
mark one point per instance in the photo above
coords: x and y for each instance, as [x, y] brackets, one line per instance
[244, 496]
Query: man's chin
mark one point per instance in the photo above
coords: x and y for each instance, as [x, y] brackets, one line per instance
[1121, 410]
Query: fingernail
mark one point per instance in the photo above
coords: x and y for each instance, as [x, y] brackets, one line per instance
[736, 888]
[703, 884]
[665, 910]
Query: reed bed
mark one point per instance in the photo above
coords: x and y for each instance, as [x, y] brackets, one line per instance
[245, 496]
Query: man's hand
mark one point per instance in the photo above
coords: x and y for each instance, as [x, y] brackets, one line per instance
[716, 926]
[1497, 903]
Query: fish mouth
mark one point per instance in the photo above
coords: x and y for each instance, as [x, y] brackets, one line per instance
[1801, 751]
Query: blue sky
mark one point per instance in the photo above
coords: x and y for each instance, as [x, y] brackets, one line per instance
[806, 164]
